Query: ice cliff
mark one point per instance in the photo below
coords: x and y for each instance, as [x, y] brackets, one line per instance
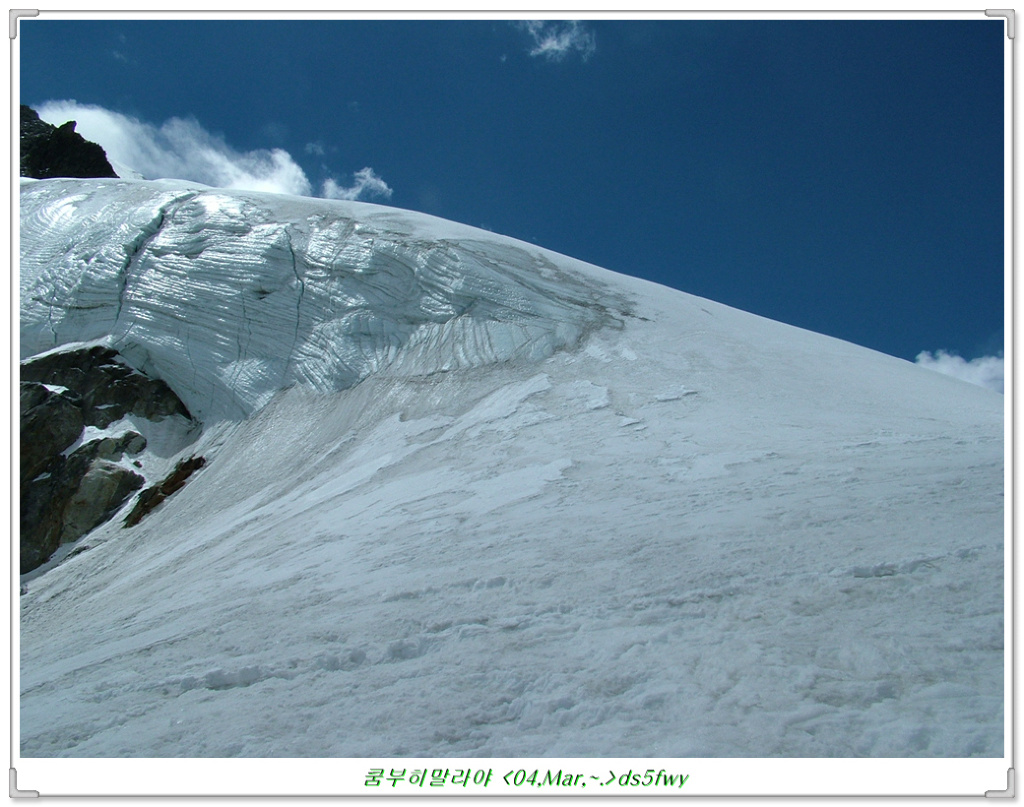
[230, 297]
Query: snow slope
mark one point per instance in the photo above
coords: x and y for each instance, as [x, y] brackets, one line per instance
[467, 497]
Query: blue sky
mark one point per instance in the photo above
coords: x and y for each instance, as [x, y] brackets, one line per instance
[842, 176]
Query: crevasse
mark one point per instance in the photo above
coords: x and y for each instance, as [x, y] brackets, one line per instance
[230, 297]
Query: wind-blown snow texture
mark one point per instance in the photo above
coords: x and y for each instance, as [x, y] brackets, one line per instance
[509, 504]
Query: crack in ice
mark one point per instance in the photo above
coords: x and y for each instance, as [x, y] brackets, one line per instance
[134, 248]
[298, 306]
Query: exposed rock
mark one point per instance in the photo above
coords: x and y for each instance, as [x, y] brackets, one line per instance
[152, 496]
[60, 504]
[42, 511]
[101, 492]
[65, 494]
[113, 448]
[108, 388]
[58, 151]
[50, 422]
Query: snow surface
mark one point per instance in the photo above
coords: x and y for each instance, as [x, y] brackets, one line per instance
[466, 497]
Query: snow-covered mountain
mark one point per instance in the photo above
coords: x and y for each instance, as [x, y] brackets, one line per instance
[463, 497]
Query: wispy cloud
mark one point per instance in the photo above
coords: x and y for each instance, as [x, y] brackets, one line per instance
[986, 371]
[182, 149]
[555, 40]
[367, 185]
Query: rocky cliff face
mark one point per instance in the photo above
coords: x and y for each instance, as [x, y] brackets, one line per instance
[81, 450]
[58, 151]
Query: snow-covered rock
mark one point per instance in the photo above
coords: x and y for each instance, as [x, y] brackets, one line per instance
[467, 497]
[80, 408]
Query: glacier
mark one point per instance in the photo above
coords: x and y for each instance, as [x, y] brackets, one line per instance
[202, 287]
[466, 497]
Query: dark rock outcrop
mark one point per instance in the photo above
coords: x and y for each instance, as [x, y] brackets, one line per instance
[109, 389]
[65, 494]
[51, 421]
[58, 151]
[103, 489]
[152, 496]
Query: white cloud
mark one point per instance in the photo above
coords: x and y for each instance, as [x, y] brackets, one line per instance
[316, 149]
[367, 184]
[183, 149]
[180, 149]
[554, 40]
[986, 371]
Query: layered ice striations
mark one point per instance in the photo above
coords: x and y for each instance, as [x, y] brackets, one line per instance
[230, 297]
